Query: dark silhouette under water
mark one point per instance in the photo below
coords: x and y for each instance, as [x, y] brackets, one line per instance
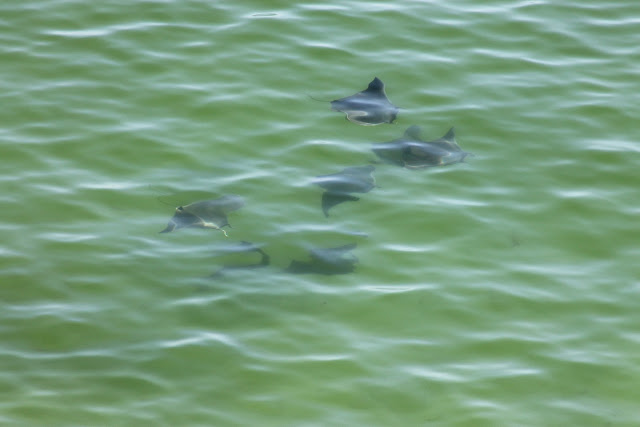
[244, 246]
[339, 186]
[327, 261]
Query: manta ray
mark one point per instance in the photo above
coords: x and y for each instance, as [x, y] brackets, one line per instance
[327, 261]
[412, 152]
[205, 214]
[369, 107]
[339, 186]
[243, 247]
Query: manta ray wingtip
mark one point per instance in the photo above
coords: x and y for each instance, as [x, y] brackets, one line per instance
[376, 84]
[450, 135]
[169, 228]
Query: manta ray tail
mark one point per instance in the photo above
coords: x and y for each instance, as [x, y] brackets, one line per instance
[317, 99]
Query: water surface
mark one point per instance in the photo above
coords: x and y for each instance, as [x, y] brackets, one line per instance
[500, 291]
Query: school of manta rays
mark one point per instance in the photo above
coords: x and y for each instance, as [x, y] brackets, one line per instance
[368, 107]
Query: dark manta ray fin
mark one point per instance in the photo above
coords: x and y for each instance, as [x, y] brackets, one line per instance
[375, 86]
[450, 135]
[448, 141]
[330, 199]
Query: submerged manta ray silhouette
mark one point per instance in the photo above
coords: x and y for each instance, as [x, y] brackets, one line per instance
[412, 152]
[327, 261]
[368, 107]
[205, 214]
[243, 247]
[339, 186]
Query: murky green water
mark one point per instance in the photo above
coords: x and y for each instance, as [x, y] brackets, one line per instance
[498, 292]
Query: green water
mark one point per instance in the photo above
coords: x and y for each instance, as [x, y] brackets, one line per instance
[497, 292]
